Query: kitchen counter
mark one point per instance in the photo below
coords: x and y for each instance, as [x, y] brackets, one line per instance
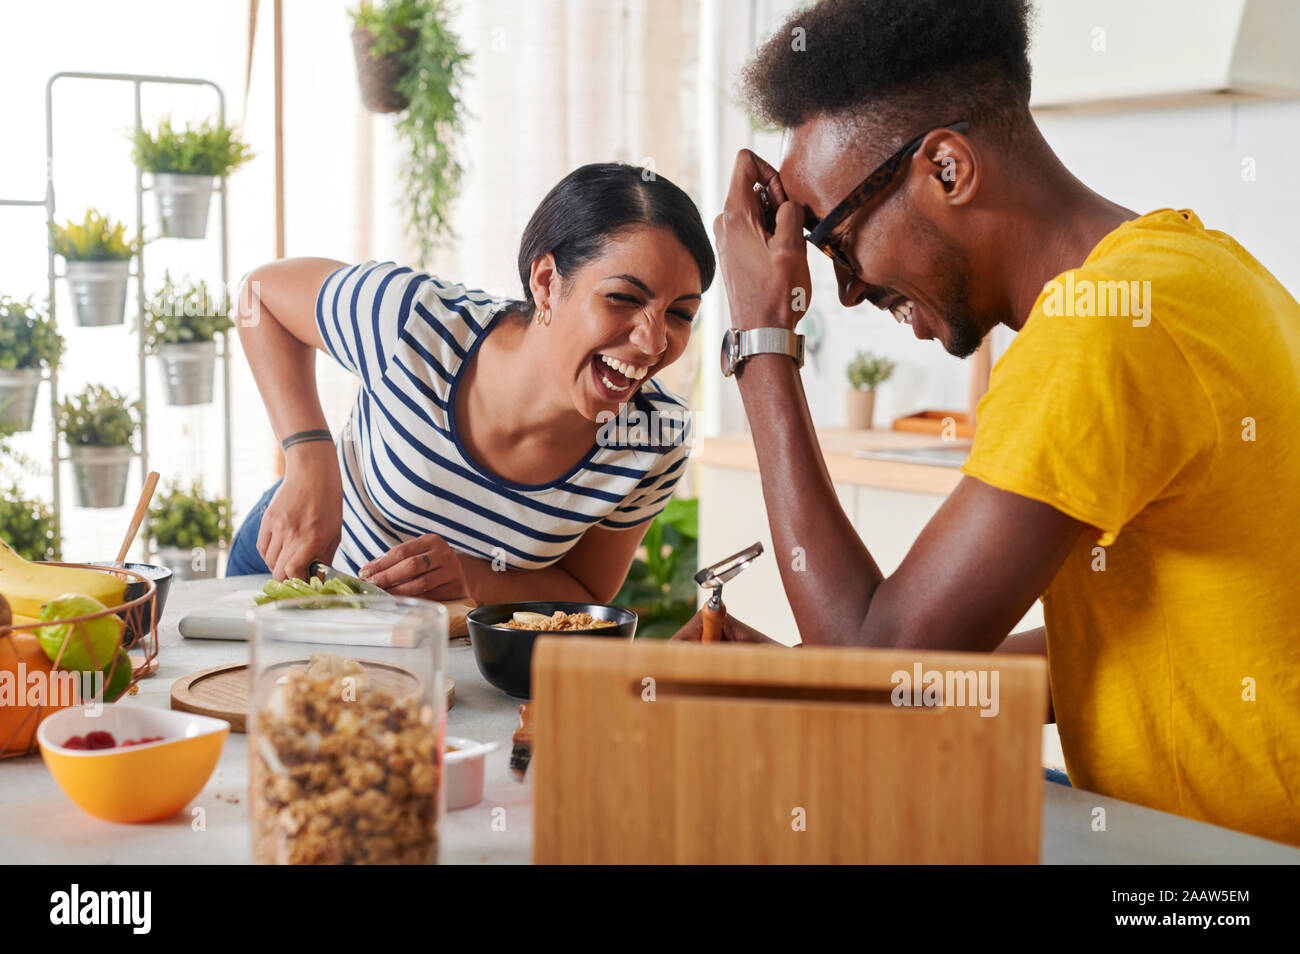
[888, 502]
[38, 824]
[839, 446]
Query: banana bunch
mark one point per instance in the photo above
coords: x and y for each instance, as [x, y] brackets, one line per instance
[28, 586]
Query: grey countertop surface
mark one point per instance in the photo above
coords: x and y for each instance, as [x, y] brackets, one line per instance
[38, 824]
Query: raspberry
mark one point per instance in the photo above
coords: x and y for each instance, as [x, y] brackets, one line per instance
[76, 742]
[100, 740]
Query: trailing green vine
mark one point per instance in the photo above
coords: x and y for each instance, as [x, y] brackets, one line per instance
[433, 121]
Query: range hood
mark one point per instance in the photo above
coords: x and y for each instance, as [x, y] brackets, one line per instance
[1106, 54]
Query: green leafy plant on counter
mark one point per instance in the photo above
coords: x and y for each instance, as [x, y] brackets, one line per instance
[188, 518]
[867, 371]
[26, 523]
[432, 123]
[660, 586]
[185, 314]
[96, 239]
[98, 417]
[205, 149]
[28, 338]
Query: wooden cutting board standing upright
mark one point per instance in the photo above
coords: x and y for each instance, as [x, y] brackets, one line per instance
[667, 753]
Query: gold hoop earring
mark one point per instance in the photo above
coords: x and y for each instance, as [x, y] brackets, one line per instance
[543, 316]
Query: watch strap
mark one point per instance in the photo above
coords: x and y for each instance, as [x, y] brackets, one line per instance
[771, 341]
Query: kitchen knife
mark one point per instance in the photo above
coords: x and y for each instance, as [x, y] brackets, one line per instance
[327, 572]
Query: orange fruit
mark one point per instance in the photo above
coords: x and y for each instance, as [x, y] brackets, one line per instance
[18, 721]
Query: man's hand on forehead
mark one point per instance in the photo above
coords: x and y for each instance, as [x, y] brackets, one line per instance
[765, 271]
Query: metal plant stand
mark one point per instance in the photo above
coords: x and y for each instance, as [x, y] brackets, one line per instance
[138, 81]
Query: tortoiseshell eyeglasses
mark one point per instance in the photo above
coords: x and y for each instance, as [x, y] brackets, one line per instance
[816, 230]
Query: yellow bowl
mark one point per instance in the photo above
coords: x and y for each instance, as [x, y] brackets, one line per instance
[134, 783]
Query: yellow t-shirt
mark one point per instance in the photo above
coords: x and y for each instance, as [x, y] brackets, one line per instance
[1171, 424]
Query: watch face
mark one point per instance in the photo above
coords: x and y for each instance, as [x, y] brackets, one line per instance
[730, 353]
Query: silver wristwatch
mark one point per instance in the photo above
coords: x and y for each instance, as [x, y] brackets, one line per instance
[738, 346]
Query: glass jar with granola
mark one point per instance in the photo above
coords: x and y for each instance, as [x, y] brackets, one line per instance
[346, 722]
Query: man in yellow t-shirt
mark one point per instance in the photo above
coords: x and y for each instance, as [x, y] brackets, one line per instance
[1137, 455]
[1171, 428]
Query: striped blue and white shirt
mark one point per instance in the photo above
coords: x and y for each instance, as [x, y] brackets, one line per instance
[405, 471]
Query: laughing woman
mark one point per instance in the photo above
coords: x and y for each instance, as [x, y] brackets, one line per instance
[478, 442]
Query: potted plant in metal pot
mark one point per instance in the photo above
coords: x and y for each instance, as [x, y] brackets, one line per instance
[188, 529]
[98, 425]
[866, 372]
[29, 346]
[98, 259]
[183, 323]
[182, 164]
[26, 524]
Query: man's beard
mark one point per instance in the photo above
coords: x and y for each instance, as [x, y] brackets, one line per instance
[964, 334]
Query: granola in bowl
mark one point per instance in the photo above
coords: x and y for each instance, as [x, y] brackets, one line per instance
[557, 622]
[342, 771]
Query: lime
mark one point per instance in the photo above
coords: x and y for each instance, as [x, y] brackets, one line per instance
[103, 634]
[121, 678]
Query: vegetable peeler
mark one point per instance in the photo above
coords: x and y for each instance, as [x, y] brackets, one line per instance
[712, 577]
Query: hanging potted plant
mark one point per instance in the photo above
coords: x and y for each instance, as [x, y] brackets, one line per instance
[188, 529]
[182, 165]
[183, 324]
[29, 345]
[866, 372]
[97, 425]
[382, 37]
[409, 59]
[98, 258]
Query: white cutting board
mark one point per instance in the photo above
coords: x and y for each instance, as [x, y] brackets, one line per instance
[228, 618]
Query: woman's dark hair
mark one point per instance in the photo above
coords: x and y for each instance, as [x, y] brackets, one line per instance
[593, 204]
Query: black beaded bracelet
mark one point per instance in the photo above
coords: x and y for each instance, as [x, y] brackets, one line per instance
[306, 437]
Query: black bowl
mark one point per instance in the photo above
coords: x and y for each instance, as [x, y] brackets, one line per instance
[162, 578]
[505, 656]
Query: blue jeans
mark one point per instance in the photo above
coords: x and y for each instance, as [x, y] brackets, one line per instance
[1057, 776]
[244, 558]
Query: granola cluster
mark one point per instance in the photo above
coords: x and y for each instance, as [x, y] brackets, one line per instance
[342, 772]
[557, 621]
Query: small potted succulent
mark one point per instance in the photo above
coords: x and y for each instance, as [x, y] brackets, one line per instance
[29, 345]
[98, 257]
[182, 164]
[183, 323]
[382, 37]
[98, 425]
[866, 372]
[188, 529]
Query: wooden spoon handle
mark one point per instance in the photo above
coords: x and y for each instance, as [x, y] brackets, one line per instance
[712, 629]
[142, 505]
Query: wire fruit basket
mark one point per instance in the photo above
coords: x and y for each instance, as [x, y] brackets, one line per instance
[24, 702]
